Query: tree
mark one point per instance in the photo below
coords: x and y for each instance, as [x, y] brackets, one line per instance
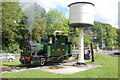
[109, 34]
[118, 38]
[56, 20]
[39, 28]
[11, 16]
[86, 39]
[40, 22]
[0, 26]
[22, 35]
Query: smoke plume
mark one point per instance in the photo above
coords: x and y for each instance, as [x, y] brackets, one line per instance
[29, 11]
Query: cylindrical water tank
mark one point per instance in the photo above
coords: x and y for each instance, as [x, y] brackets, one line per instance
[81, 14]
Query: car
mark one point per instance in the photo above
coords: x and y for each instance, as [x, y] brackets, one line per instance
[115, 54]
[7, 57]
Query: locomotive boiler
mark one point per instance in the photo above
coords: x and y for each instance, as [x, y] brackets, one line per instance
[55, 48]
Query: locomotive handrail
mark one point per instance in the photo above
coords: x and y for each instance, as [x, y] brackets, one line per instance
[61, 32]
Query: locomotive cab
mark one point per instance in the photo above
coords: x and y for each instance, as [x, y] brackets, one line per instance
[60, 40]
[59, 45]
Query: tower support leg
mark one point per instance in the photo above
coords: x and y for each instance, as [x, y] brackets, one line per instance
[81, 60]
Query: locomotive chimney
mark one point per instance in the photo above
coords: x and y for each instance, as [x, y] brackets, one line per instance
[29, 36]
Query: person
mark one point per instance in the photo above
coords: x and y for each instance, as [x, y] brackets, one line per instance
[97, 48]
[84, 53]
[88, 53]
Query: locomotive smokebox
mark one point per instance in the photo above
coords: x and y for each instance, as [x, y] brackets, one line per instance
[29, 36]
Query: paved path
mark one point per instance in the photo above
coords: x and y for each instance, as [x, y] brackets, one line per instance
[106, 52]
[68, 68]
[100, 51]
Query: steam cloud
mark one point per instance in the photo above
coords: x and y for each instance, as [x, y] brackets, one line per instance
[29, 12]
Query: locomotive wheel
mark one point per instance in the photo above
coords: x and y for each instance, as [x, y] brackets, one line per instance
[42, 61]
[66, 57]
[61, 60]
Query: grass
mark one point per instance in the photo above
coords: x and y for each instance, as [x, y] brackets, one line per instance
[6, 63]
[109, 69]
[17, 55]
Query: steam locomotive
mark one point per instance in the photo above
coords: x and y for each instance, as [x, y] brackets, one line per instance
[55, 48]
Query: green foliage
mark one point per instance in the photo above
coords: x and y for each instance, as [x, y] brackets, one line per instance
[56, 21]
[109, 34]
[86, 39]
[6, 63]
[17, 56]
[22, 32]
[13, 26]
[0, 26]
[39, 28]
[118, 38]
[109, 47]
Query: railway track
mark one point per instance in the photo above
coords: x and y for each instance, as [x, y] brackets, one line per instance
[26, 67]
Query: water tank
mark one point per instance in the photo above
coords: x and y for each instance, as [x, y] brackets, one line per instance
[81, 14]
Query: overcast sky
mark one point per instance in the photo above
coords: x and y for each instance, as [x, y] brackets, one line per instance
[105, 11]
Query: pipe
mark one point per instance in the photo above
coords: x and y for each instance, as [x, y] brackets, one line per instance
[61, 32]
[29, 36]
[74, 38]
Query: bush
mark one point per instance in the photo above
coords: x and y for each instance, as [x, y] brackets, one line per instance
[116, 47]
[95, 46]
[13, 48]
[109, 47]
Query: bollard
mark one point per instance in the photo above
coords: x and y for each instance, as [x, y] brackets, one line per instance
[92, 52]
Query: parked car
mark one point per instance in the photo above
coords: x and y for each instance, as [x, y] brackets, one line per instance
[115, 54]
[7, 57]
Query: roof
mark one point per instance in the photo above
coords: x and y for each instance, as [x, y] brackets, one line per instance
[79, 3]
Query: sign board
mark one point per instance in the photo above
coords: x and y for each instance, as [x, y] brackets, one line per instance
[97, 47]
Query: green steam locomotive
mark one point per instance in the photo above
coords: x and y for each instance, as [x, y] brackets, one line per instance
[55, 48]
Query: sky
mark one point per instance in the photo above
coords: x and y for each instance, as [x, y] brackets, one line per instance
[105, 11]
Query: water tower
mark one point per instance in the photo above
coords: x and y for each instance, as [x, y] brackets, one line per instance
[81, 16]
